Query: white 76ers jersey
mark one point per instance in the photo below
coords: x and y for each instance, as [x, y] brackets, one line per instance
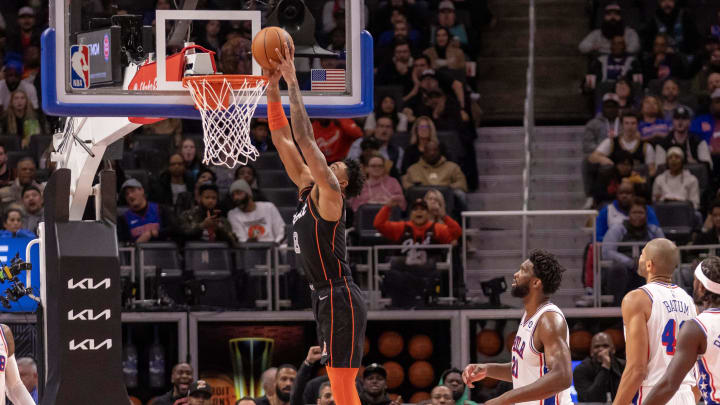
[528, 365]
[671, 306]
[3, 362]
[708, 364]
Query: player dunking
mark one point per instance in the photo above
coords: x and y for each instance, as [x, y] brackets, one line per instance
[698, 341]
[10, 382]
[540, 367]
[319, 233]
[652, 315]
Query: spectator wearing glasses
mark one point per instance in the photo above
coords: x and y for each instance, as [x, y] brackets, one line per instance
[379, 188]
[422, 132]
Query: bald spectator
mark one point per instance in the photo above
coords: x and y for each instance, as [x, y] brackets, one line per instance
[600, 373]
[268, 385]
[245, 401]
[29, 375]
[598, 41]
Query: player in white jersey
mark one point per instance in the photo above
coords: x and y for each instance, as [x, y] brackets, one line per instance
[10, 382]
[698, 342]
[540, 367]
[652, 315]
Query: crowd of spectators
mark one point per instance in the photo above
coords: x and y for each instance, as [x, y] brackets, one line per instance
[654, 79]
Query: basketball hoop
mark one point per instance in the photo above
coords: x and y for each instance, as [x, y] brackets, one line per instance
[227, 104]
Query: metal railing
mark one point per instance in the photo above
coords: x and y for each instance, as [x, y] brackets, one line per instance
[524, 214]
[529, 105]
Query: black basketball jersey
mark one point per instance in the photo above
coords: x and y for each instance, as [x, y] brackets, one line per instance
[319, 244]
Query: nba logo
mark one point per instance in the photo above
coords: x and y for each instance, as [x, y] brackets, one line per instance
[80, 67]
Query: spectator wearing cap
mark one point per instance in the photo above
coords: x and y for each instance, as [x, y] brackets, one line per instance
[374, 390]
[421, 64]
[144, 221]
[605, 125]
[447, 18]
[452, 378]
[12, 225]
[254, 221]
[205, 221]
[598, 41]
[694, 148]
[669, 95]
[676, 183]
[435, 101]
[25, 176]
[418, 229]
[28, 33]
[679, 26]
[379, 187]
[12, 82]
[629, 140]
[172, 182]
[618, 63]
[434, 169]
[662, 62]
[706, 126]
[33, 206]
[260, 136]
[334, 137]
[200, 393]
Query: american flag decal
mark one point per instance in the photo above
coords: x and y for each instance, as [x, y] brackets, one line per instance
[327, 80]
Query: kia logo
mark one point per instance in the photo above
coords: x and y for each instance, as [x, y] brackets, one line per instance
[89, 344]
[88, 284]
[88, 315]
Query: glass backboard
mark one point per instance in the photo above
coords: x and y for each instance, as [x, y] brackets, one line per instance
[128, 59]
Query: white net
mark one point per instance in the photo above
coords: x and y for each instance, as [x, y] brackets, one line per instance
[227, 104]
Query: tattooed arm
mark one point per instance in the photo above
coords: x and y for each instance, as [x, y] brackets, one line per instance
[327, 194]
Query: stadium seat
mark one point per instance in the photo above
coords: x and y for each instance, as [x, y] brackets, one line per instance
[140, 175]
[453, 146]
[677, 219]
[15, 156]
[368, 235]
[209, 263]
[255, 260]
[274, 179]
[161, 259]
[419, 192]
[38, 145]
[282, 197]
[11, 142]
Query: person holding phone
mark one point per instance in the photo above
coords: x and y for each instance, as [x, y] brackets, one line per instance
[205, 222]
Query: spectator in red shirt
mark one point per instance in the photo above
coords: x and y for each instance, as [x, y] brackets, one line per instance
[419, 229]
[334, 137]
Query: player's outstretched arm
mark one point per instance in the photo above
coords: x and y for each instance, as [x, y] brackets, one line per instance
[691, 343]
[281, 135]
[477, 372]
[635, 312]
[302, 127]
[14, 387]
[551, 332]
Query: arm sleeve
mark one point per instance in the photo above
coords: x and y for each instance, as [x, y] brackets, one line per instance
[459, 180]
[370, 123]
[610, 251]
[605, 147]
[16, 390]
[601, 226]
[649, 155]
[350, 128]
[389, 229]
[588, 43]
[703, 152]
[396, 189]
[652, 219]
[694, 192]
[591, 388]
[660, 155]
[453, 227]
[304, 375]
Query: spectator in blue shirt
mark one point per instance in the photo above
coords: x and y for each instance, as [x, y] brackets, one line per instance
[12, 222]
[653, 126]
[618, 211]
[705, 125]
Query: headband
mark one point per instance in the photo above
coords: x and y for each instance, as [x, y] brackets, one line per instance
[705, 281]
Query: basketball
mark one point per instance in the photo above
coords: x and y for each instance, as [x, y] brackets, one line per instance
[390, 344]
[395, 374]
[489, 342]
[420, 347]
[509, 340]
[265, 43]
[617, 337]
[418, 397]
[421, 374]
[580, 343]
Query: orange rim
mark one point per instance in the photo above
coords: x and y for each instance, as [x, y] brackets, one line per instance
[236, 81]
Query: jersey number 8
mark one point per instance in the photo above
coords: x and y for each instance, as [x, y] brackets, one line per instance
[296, 244]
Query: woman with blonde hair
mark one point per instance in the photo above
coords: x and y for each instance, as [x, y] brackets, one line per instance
[20, 119]
[436, 208]
[422, 132]
[653, 125]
